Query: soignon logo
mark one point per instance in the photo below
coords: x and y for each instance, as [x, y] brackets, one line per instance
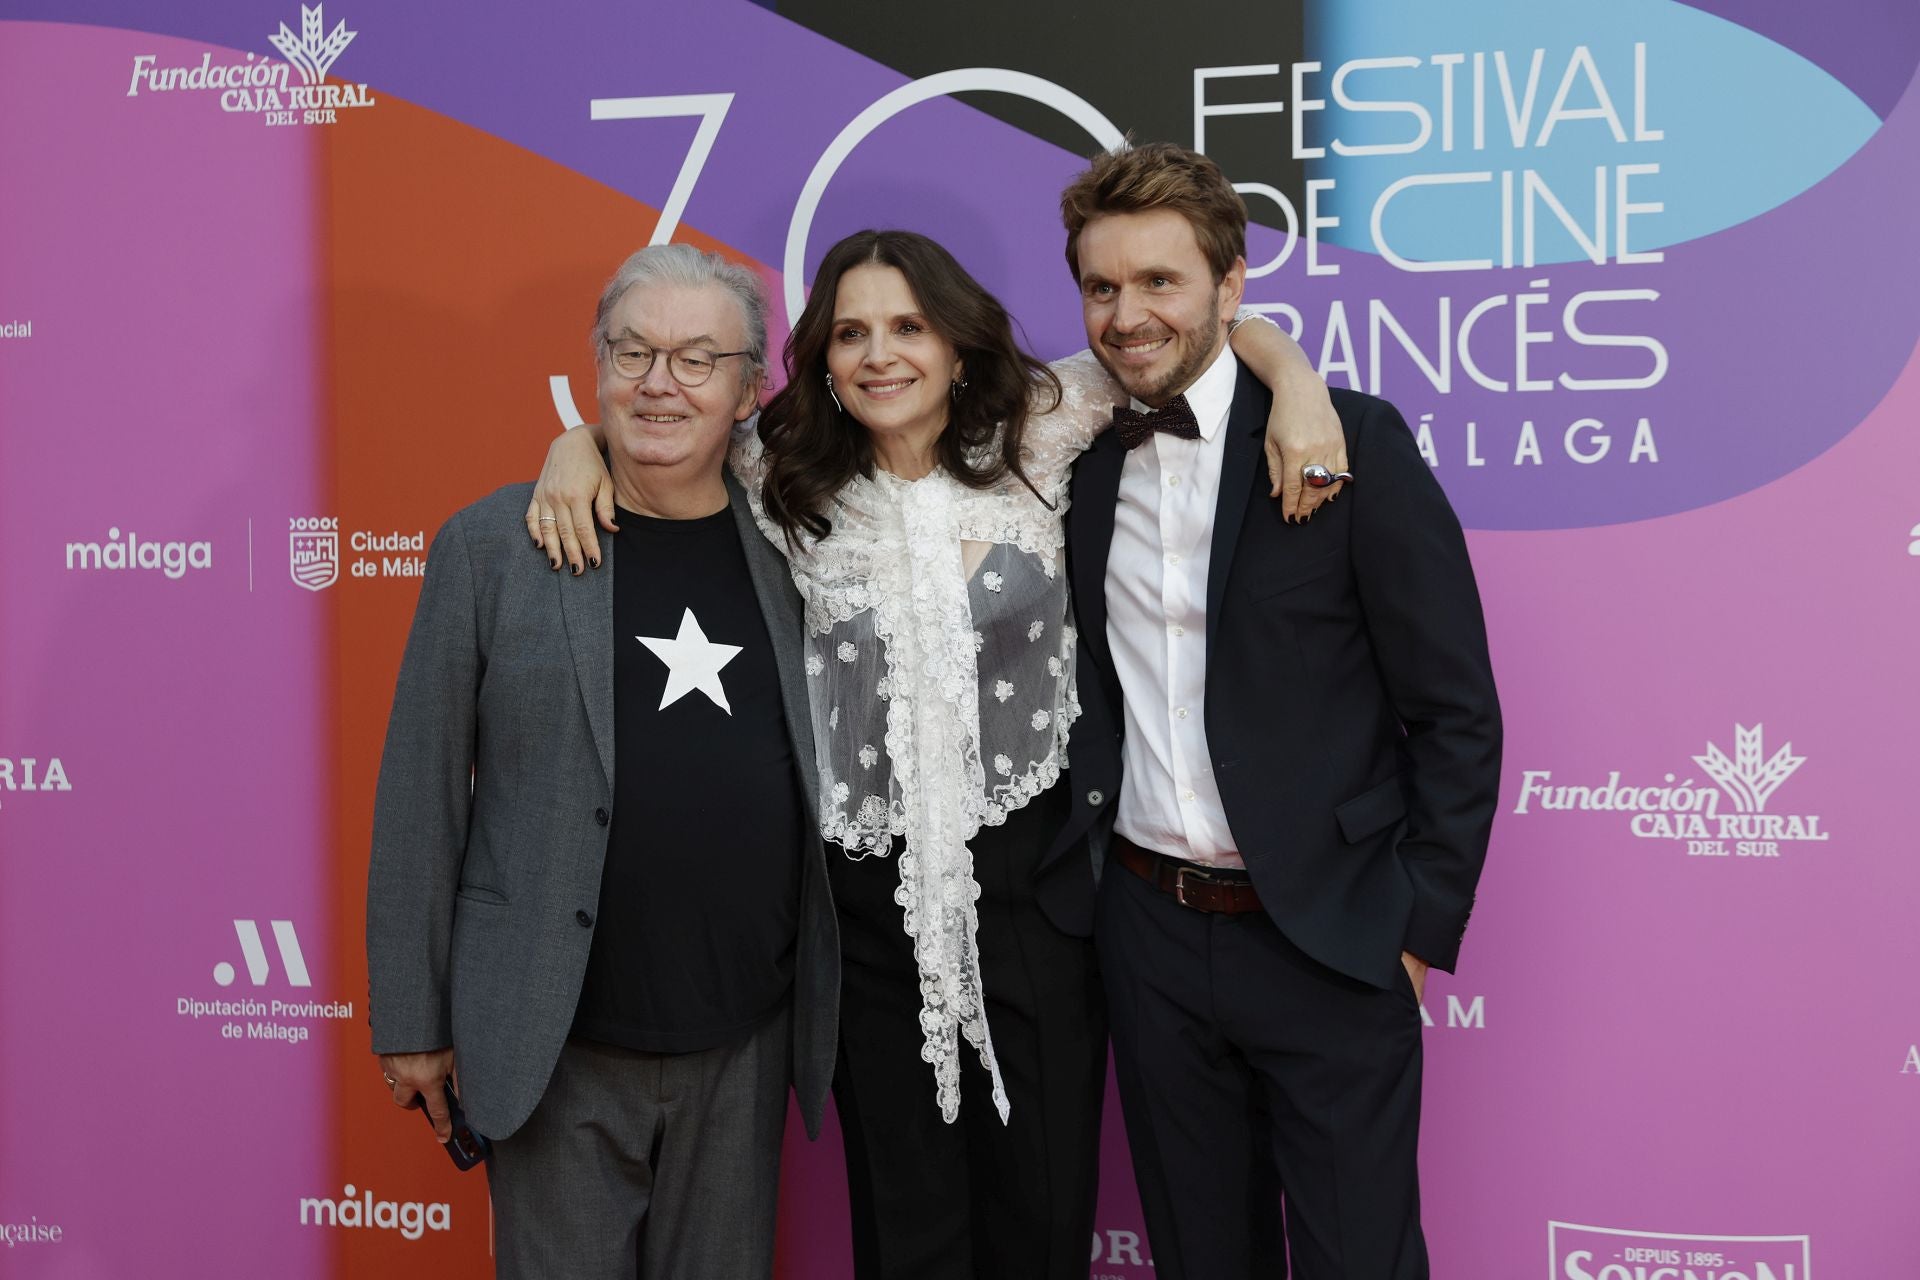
[1610, 1253]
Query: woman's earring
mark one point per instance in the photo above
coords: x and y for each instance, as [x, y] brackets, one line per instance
[959, 385]
[836, 399]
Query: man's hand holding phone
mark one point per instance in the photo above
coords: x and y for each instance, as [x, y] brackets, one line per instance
[418, 1080]
[426, 1080]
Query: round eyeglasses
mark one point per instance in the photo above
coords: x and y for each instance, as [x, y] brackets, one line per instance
[690, 366]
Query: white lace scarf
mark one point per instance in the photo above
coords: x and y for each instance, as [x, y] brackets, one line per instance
[940, 676]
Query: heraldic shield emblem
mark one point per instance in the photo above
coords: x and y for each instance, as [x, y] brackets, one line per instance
[314, 559]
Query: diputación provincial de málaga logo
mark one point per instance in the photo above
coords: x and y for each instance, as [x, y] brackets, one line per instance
[264, 87]
[1694, 813]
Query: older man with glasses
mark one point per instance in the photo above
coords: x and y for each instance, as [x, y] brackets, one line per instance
[597, 890]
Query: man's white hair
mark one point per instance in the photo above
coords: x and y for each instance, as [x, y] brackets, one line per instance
[682, 264]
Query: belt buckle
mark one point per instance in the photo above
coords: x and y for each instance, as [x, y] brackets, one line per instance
[1180, 883]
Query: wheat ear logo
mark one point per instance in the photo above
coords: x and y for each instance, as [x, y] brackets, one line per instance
[311, 52]
[1747, 780]
[255, 953]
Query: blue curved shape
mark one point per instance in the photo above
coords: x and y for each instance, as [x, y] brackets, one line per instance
[1745, 124]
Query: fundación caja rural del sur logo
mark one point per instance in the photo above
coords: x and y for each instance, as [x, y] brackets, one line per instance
[1727, 818]
[261, 86]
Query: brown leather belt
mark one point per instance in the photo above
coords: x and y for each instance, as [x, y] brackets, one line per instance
[1202, 888]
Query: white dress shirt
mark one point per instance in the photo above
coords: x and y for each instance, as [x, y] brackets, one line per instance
[1157, 628]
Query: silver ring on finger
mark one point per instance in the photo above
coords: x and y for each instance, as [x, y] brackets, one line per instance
[549, 520]
[1318, 477]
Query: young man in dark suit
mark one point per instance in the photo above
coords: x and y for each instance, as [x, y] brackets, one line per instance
[1290, 745]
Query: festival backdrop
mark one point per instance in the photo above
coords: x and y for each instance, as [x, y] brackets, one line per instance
[281, 288]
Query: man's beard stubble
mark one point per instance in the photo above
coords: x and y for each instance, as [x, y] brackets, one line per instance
[1201, 347]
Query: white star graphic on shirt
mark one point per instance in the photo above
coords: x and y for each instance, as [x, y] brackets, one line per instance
[693, 662]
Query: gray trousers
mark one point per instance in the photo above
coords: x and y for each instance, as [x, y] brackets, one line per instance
[664, 1166]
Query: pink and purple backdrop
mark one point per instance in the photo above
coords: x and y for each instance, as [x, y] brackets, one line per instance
[1640, 273]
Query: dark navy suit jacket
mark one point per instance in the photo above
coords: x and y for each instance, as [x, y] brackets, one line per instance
[1350, 704]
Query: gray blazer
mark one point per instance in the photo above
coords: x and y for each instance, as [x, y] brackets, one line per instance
[490, 825]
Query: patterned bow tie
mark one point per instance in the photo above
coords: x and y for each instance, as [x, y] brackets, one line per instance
[1134, 427]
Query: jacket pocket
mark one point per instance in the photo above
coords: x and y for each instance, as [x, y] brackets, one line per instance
[1374, 809]
[1287, 578]
[481, 894]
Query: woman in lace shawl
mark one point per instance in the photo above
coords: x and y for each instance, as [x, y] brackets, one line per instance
[914, 469]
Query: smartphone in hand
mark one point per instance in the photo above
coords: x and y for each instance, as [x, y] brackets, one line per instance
[465, 1148]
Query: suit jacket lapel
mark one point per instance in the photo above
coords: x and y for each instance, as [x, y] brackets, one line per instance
[780, 607]
[586, 608]
[1244, 449]
[1096, 488]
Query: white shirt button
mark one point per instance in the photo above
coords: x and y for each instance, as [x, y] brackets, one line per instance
[1181, 712]
[1173, 559]
[1173, 480]
[1179, 630]
[1187, 796]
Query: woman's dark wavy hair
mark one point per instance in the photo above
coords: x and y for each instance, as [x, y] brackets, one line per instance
[814, 449]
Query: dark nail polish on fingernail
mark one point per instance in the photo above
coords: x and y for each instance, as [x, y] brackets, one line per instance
[596, 564]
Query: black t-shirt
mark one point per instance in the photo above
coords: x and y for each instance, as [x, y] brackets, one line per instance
[700, 898]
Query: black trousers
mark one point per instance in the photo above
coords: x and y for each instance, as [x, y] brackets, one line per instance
[1253, 1078]
[976, 1199]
